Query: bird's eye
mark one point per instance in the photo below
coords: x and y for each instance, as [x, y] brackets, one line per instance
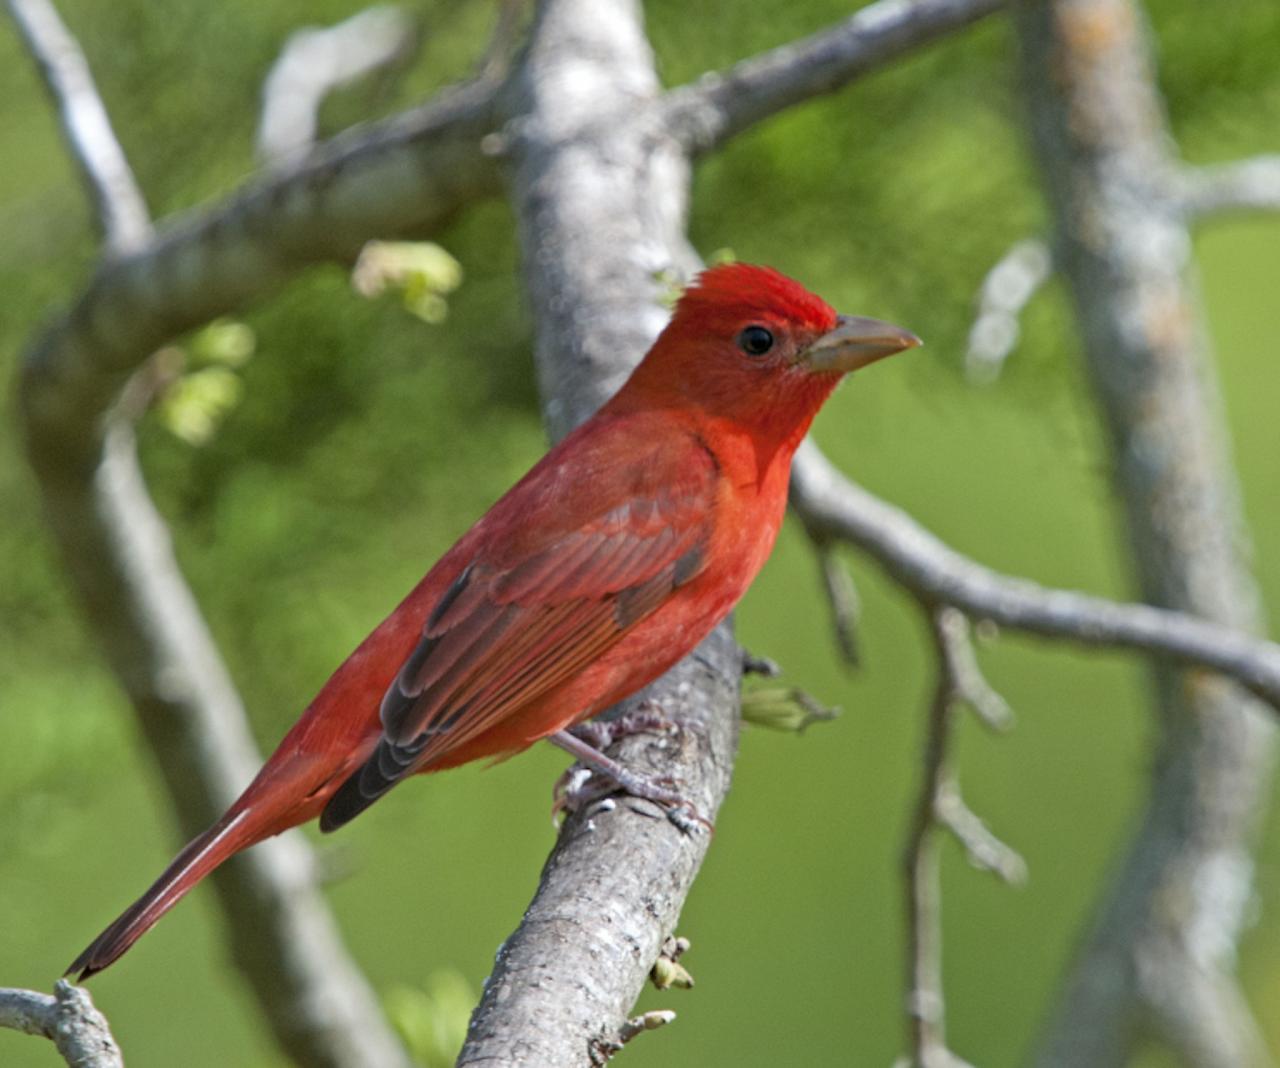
[755, 341]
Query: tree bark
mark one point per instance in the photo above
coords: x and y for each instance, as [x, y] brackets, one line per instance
[1159, 959]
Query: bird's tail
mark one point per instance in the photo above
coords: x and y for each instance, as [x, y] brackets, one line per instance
[233, 832]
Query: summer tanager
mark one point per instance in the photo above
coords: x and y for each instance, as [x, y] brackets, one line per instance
[607, 563]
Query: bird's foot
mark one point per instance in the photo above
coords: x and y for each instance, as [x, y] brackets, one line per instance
[646, 718]
[596, 776]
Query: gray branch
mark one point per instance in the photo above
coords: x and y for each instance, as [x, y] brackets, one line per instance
[829, 502]
[118, 551]
[119, 207]
[718, 106]
[394, 178]
[982, 849]
[317, 60]
[78, 1030]
[1005, 292]
[1177, 902]
[1247, 185]
[844, 602]
[925, 999]
[939, 806]
[1239, 187]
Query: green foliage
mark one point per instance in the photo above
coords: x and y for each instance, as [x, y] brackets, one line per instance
[783, 708]
[420, 271]
[432, 1019]
[362, 440]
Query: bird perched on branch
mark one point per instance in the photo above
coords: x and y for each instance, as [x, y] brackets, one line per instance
[601, 568]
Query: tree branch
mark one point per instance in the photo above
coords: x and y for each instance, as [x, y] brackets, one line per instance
[1102, 143]
[926, 1005]
[398, 177]
[119, 207]
[317, 60]
[78, 1030]
[1250, 185]
[718, 106]
[843, 600]
[1230, 188]
[829, 502]
[118, 551]
[940, 806]
[1007, 289]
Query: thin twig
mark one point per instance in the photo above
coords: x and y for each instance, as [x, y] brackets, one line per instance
[718, 106]
[69, 1018]
[982, 848]
[502, 42]
[846, 607]
[1230, 188]
[1002, 297]
[120, 209]
[971, 686]
[939, 806]
[926, 1004]
[829, 502]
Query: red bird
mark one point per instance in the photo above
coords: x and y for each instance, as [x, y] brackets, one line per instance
[601, 568]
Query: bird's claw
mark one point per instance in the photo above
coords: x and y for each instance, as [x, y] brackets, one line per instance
[686, 818]
[588, 787]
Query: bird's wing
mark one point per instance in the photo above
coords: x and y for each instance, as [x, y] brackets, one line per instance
[578, 564]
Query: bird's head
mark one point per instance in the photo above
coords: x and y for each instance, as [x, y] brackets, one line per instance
[749, 344]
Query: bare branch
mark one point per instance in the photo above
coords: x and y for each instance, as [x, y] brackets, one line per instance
[507, 29]
[397, 177]
[118, 549]
[983, 849]
[846, 607]
[940, 806]
[1203, 1014]
[611, 892]
[1102, 144]
[119, 206]
[317, 60]
[78, 1030]
[281, 933]
[1246, 185]
[718, 106]
[926, 1004]
[833, 504]
[970, 685]
[1004, 293]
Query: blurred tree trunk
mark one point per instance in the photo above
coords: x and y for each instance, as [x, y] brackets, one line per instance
[1159, 959]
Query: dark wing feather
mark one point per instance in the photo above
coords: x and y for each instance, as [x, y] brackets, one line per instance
[518, 622]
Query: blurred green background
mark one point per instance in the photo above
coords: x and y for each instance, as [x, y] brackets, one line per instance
[366, 440]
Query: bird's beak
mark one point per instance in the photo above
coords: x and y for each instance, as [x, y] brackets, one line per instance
[856, 342]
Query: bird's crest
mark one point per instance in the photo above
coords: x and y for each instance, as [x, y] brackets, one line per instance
[737, 289]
